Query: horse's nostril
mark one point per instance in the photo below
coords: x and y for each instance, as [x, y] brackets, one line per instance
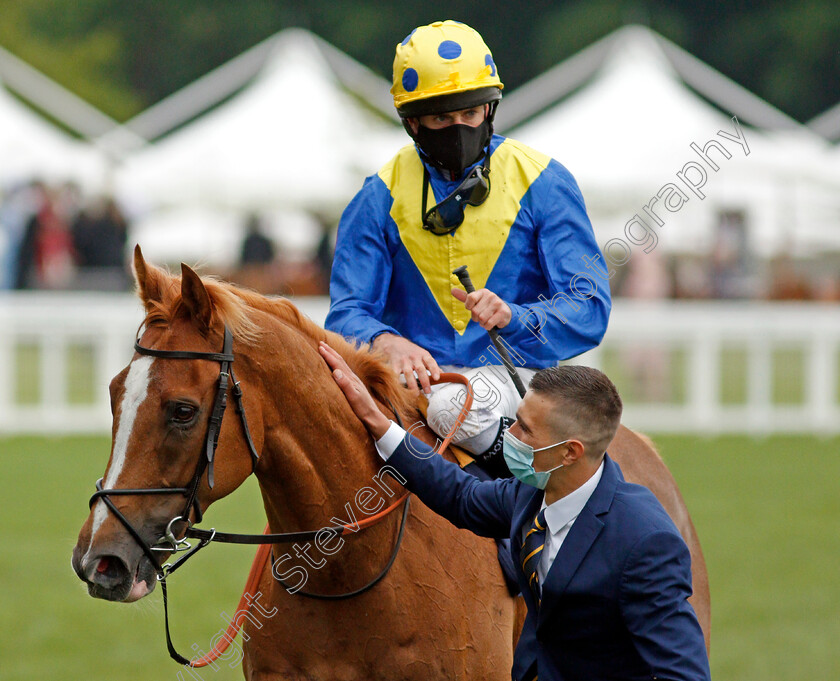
[107, 571]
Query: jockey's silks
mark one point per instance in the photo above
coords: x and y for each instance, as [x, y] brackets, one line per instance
[530, 242]
[476, 243]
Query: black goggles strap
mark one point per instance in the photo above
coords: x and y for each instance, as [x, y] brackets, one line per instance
[424, 214]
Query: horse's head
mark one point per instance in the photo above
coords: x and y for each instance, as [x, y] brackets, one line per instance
[162, 408]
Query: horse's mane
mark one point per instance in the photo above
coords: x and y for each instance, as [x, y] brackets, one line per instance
[236, 307]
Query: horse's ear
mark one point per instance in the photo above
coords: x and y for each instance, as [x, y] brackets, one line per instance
[149, 280]
[195, 297]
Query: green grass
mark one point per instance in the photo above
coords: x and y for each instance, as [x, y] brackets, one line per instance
[51, 628]
[767, 514]
[27, 376]
[81, 388]
[766, 510]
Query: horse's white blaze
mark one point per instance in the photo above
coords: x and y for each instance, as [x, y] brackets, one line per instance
[136, 389]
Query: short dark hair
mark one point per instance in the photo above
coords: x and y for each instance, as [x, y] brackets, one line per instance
[588, 402]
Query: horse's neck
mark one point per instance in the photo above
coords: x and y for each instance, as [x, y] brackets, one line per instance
[311, 472]
[318, 469]
[317, 454]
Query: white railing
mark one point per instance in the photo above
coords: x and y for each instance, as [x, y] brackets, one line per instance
[788, 365]
[780, 361]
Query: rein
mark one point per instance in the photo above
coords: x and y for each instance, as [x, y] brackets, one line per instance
[169, 543]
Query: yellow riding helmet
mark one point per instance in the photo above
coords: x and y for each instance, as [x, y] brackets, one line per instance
[445, 66]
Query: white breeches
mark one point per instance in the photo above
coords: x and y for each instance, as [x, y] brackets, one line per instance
[494, 396]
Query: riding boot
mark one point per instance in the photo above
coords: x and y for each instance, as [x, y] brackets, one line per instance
[491, 460]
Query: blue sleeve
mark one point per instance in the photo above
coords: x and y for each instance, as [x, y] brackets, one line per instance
[573, 318]
[362, 265]
[483, 507]
[656, 584]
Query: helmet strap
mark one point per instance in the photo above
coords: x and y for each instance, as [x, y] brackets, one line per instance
[491, 114]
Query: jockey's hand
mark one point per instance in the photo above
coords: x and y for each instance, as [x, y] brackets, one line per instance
[356, 392]
[406, 358]
[486, 307]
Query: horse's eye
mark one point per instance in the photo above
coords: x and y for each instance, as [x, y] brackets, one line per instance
[183, 413]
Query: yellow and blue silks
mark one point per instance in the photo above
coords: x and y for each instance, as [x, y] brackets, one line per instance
[530, 242]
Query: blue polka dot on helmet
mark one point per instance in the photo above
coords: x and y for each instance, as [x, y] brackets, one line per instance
[449, 49]
[410, 79]
[445, 66]
[407, 38]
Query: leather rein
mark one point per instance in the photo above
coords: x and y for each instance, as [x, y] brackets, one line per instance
[169, 543]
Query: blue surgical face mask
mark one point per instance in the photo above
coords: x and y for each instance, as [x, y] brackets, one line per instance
[519, 458]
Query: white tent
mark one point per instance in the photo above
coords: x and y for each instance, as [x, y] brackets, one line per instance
[292, 138]
[31, 148]
[65, 107]
[827, 124]
[626, 131]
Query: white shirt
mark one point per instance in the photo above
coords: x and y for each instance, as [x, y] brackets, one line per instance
[559, 516]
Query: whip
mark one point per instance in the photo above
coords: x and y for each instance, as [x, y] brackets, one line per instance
[466, 282]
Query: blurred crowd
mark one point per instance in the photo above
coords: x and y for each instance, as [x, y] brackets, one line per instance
[263, 266]
[52, 239]
[729, 270]
[715, 276]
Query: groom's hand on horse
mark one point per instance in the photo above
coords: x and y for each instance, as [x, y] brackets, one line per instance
[356, 392]
[408, 359]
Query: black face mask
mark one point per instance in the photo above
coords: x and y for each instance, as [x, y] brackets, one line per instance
[454, 147]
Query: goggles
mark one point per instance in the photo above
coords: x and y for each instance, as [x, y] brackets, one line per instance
[447, 216]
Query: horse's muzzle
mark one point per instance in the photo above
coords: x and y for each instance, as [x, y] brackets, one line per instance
[110, 578]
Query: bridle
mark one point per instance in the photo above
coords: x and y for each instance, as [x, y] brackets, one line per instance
[169, 543]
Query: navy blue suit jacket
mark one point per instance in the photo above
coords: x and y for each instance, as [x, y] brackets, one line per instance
[614, 600]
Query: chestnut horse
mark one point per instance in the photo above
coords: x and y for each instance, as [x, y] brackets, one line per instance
[442, 611]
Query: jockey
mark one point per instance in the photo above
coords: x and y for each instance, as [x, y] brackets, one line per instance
[462, 195]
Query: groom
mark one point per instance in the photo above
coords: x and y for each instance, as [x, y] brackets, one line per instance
[604, 572]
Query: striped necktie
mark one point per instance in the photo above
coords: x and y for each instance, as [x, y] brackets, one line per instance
[531, 553]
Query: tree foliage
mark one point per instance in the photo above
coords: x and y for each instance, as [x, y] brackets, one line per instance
[124, 56]
[72, 44]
